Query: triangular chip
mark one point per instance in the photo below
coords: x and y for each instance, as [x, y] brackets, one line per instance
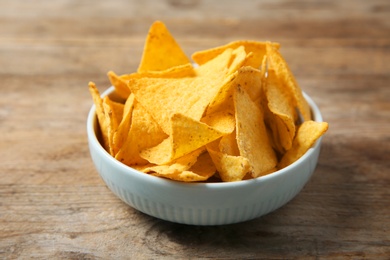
[202, 170]
[163, 97]
[282, 117]
[121, 134]
[180, 71]
[307, 134]
[228, 144]
[186, 136]
[161, 50]
[144, 133]
[103, 125]
[113, 113]
[257, 48]
[179, 165]
[252, 138]
[230, 168]
[286, 77]
[120, 85]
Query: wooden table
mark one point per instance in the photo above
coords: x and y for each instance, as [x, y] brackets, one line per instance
[54, 205]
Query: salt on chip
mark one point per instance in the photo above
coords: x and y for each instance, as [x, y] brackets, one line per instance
[187, 135]
[252, 137]
[283, 72]
[161, 50]
[308, 133]
[257, 48]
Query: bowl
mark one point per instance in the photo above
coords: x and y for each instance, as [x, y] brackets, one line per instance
[202, 203]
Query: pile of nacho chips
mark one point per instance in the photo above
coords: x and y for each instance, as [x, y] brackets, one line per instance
[237, 114]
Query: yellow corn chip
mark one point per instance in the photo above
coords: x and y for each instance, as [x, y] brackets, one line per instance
[163, 97]
[120, 85]
[177, 166]
[144, 133]
[121, 134]
[103, 125]
[161, 50]
[257, 48]
[180, 71]
[307, 134]
[228, 144]
[252, 138]
[202, 170]
[113, 113]
[282, 118]
[286, 77]
[186, 136]
[230, 168]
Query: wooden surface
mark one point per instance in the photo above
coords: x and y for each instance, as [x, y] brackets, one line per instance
[54, 205]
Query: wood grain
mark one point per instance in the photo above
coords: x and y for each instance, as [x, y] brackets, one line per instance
[53, 205]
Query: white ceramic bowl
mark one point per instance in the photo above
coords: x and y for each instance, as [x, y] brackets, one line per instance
[202, 203]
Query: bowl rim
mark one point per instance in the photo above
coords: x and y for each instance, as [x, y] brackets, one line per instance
[95, 144]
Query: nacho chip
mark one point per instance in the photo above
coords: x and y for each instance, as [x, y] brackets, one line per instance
[103, 125]
[190, 95]
[161, 50]
[180, 71]
[177, 166]
[187, 135]
[283, 113]
[113, 113]
[120, 85]
[202, 170]
[144, 133]
[286, 77]
[252, 138]
[308, 133]
[121, 134]
[228, 144]
[257, 48]
[230, 168]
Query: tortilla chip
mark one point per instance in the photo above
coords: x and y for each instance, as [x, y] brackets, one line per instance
[103, 125]
[120, 85]
[187, 135]
[257, 48]
[252, 137]
[121, 134]
[161, 50]
[308, 133]
[282, 118]
[144, 133]
[190, 95]
[202, 170]
[113, 113]
[286, 77]
[180, 71]
[228, 144]
[230, 168]
[177, 166]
